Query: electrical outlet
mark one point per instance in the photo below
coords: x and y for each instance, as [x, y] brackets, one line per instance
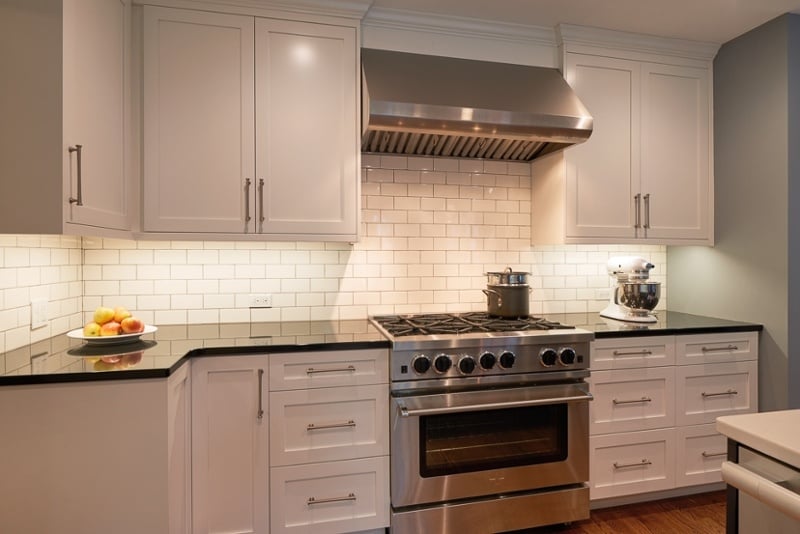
[603, 293]
[261, 300]
[38, 313]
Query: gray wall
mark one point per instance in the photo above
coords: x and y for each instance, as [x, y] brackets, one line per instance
[751, 273]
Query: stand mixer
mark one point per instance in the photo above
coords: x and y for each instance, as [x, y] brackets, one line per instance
[633, 298]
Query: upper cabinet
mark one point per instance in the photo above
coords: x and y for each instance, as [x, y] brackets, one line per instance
[250, 127]
[63, 153]
[645, 175]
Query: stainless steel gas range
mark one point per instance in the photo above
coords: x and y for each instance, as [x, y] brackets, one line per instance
[489, 422]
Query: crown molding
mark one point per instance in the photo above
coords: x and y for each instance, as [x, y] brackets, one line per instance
[348, 9]
[393, 19]
[569, 34]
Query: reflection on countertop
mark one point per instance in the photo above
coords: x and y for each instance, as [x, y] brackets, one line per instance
[668, 323]
[61, 359]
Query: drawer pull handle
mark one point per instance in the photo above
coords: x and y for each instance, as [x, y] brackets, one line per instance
[312, 426]
[633, 401]
[260, 394]
[349, 497]
[720, 394]
[633, 353]
[643, 463]
[713, 454]
[719, 349]
[349, 368]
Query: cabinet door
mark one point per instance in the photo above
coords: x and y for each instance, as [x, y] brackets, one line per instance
[603, 172]
[198, 122]
[230, 469]
[676, 149]
[94, 82]
[306, 129]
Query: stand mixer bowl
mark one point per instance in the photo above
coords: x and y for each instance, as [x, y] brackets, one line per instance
[639, 297]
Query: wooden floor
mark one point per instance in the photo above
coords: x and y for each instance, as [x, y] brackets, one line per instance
[696, 514]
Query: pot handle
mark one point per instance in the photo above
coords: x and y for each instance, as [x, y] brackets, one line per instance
[499, 298]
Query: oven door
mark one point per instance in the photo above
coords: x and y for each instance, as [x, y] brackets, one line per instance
[487, 442]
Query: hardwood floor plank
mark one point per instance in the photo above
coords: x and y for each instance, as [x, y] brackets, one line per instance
[695, 514]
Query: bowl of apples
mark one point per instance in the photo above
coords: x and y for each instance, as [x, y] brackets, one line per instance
[112, 326]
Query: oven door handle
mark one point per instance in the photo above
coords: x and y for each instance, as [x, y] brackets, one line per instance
[405, 411]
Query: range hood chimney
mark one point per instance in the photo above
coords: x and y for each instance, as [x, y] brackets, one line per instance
[424, 105]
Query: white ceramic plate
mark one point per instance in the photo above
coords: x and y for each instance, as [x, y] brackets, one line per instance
[111, 340]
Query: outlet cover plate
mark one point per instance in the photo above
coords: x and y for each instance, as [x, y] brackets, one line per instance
[261, 300]
[38, 313]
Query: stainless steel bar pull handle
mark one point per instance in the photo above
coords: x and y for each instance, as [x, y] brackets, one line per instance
[349, 368]
[721, 393]
[78, 200]
[261, 200]
[638, 210]
[713, 454]
[647, 210]
[312, 426]
[633, 353]
[313, 500]
[633, 401]
[719, 349]
[260, 394]
[247, 183]
[643, 463]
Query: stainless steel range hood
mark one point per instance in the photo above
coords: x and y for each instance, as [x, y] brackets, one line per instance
[436, 106]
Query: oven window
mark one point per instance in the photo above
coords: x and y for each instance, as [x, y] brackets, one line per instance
[492, 439]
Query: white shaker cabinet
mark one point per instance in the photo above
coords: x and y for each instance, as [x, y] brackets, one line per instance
[645, 175]
[230, 447]
[64, 152]
[199, 133]
[250, 127]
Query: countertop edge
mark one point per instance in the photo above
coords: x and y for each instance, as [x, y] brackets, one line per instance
[679, 331]
[735, 427]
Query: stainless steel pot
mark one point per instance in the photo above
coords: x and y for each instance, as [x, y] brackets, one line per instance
[507, 277]
[508, 301]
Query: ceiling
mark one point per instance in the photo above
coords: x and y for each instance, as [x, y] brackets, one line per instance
[715, 21]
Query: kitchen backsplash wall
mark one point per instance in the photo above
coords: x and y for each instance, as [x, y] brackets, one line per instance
[431, 228]
[36, 267]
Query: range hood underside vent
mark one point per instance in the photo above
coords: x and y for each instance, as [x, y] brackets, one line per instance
[458, 146]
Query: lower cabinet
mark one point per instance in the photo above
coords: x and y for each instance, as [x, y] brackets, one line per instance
[290, 442]
[652, 420]
[230, 464]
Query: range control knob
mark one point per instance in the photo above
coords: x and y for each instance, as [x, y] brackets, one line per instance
[507, 360]
[421, 364]
[549, 357]
[442, 363]
[487, 360]
[567, 356]
[466, 365]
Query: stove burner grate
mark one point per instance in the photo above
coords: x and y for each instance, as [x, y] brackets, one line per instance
[452, 323]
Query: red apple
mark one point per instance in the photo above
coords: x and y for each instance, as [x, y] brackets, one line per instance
[132, 325]
[110, 328]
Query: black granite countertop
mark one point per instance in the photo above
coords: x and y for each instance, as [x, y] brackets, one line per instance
[157, 355]
[669, 323]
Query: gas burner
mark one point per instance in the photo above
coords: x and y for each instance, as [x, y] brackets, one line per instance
[452, 323]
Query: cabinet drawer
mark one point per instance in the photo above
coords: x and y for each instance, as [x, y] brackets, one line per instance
[318, 425]
[331, 497]
[704, 392]
[715, 348]
[632, 399]
[626, 353]
[701, 451]
[298, 370]
[631, 463]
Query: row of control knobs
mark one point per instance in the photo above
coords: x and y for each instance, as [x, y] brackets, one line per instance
[466, 364]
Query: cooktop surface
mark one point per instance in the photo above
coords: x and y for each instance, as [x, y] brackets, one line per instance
[460, 323]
